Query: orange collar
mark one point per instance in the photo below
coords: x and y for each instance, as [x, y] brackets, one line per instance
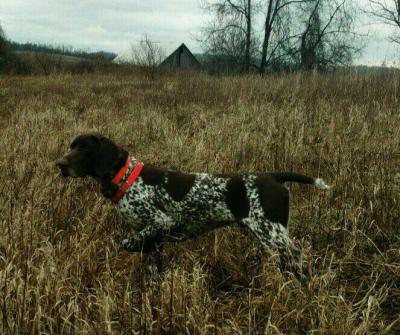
[129, 180]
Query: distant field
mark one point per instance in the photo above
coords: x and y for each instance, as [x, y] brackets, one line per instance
[53, 57]
[60, 268]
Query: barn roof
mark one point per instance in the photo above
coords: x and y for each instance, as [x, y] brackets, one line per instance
[183, 48]
[167, 49]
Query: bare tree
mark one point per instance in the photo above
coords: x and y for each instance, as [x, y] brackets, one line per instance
[148, 55]
[230, 33]
[328, 37]
[388, 12]
[279, 23]
[6, 54]
[4, 46]
[296, 33]
[274, 11]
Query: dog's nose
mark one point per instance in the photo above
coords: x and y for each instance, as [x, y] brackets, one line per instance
[62, 163]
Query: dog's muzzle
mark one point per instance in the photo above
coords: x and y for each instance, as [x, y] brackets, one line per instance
[64, 168]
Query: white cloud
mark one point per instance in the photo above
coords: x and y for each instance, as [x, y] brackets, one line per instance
[100, 24]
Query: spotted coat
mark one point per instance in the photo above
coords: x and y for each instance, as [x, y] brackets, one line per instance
[158, 213]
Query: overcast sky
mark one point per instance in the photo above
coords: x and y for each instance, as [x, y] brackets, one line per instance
[112, 25]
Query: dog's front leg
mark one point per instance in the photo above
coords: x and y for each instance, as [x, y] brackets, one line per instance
[154, 260]
[144, 241]
[148, 241]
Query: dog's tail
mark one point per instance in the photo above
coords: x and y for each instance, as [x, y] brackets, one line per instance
[283, 177]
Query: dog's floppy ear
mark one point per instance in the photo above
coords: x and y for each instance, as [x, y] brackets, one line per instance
[107, 157]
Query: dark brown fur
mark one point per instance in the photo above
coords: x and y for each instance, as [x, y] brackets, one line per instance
[236, 197]
[274, 199]
[179, 184]
[96, 156]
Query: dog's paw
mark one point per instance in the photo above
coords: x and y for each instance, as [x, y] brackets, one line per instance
[126, 245]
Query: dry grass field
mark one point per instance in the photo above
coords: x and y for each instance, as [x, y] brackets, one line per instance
[61, 269]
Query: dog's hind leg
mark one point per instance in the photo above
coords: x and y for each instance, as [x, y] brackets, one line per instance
[274, 236]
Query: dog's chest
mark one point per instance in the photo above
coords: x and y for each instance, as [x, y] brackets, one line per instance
[137, 205]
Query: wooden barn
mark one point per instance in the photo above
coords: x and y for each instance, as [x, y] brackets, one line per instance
[179, 58]
[168, 56]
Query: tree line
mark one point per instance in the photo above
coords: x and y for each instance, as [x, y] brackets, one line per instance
[271, 35]
[256, 36]
[33, 58]
[63, 50]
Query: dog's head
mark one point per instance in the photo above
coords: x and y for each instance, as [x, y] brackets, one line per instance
[91, 155]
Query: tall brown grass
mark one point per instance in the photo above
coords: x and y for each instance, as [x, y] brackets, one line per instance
[61, 270]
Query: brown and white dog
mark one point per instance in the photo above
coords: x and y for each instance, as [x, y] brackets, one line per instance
[164, 205]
